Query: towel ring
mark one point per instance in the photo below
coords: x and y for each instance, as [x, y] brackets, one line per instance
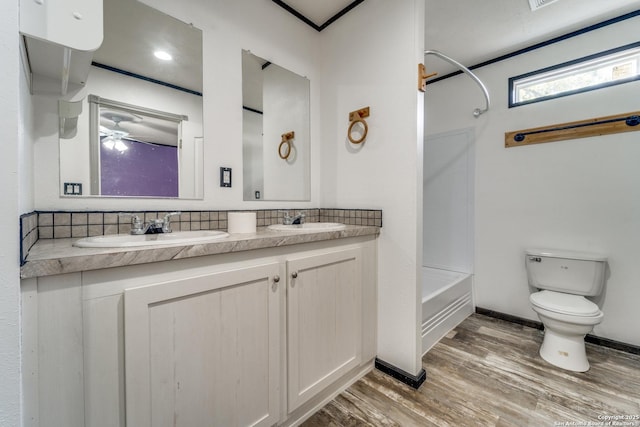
[358, 117]
[364, 134]
[286, 140]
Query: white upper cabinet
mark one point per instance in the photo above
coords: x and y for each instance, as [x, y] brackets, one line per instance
[60, 38]
[76, 24]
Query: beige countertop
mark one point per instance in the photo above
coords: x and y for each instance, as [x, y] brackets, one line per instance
[58, 256]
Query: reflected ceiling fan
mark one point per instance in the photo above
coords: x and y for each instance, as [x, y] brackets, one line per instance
[112, 133]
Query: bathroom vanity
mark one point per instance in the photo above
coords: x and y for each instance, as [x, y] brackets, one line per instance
[260, 329]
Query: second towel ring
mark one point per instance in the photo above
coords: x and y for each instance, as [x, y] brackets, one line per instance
[358, 117]
[286, 141]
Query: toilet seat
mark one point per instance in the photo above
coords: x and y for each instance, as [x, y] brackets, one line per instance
[567, 304]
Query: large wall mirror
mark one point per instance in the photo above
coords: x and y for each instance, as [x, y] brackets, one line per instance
[140, 129]
[275, 143]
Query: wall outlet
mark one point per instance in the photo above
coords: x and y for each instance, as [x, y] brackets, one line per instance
[72, 189]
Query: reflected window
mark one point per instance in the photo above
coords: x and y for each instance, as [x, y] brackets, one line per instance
[137, 150]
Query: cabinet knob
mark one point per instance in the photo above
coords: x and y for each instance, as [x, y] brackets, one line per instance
[294, 275]
[274, 286]
[276, 278]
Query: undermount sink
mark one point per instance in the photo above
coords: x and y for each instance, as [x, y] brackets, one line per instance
[131, 240]
[308, 227]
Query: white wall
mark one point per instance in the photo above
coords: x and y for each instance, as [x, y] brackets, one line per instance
[228, 27]
[15, 196]
[447, 201]
[369, 59]
[580, 194]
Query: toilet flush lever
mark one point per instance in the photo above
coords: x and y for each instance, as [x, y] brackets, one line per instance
[535, 259]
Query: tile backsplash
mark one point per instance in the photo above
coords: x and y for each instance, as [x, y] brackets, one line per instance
[352, 216]
[28, 233]
[70, 224]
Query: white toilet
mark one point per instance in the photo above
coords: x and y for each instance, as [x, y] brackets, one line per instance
[565, 278]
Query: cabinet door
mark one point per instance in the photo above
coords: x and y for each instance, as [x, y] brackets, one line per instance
[323, 321]
[204, 351]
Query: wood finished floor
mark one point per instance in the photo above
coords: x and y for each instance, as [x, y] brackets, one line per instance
[487, 372]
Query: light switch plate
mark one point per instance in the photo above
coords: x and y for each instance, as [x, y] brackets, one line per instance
[225, 177]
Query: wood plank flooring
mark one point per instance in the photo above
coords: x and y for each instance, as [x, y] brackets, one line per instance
[487, 372]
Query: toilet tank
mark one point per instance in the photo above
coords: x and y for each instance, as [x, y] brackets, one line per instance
[575, 273]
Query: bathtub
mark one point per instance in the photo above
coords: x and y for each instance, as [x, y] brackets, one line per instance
[447, 299]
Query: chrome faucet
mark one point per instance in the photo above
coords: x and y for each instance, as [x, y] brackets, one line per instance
[152, 227]
[293, 220]
[166, 225]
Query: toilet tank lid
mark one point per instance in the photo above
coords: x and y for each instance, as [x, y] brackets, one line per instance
[559, 253]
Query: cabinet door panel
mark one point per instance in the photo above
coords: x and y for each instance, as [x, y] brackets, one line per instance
[60, 352]
[324, 321]
[204, 351]
[103, 362]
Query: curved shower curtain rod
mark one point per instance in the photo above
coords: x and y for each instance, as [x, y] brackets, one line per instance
[475, 78]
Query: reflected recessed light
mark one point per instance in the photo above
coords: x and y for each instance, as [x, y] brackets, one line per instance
[161, 54]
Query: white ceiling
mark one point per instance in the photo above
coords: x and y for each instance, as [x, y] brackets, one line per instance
[318, 12]
[473, 31]
[469, 31]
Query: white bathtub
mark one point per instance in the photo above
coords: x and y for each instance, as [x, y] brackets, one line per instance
[447, 300]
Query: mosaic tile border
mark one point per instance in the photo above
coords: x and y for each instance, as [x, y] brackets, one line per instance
[28, 233]
[352, 216]
[75, 224]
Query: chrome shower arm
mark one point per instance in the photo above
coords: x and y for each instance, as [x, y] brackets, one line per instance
[467, 71]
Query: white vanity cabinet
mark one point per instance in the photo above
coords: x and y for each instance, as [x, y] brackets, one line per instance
[324, 321]
[204, 350]
[254, 338]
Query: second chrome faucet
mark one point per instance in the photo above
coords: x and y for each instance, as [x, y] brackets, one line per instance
[298, 219]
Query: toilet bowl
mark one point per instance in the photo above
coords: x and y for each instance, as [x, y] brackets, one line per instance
[564, 279]
[565, 326]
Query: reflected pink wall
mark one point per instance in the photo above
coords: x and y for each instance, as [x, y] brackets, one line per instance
[142, 170]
